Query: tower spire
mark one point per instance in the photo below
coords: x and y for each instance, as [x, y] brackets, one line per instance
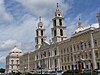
[57, 7]
[79, 23]
[40, 18]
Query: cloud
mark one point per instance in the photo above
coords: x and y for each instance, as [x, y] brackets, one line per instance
[8, 44]
[43, 7]
[4, 16]
[2, 59]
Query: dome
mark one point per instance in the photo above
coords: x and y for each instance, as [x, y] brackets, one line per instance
[79, 29]
[15, 52]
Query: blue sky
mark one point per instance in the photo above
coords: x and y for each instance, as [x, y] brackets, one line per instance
[19, 18]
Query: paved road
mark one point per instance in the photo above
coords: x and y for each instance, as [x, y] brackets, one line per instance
[99, 74]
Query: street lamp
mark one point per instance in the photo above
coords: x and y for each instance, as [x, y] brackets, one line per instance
[25, 69]
[80, 59]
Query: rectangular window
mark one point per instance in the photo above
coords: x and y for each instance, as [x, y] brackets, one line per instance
[89, 44]
[71, 48]
[64, 50]
[97, 54]
[65, 59]
[55, 52]
[74, 48]
[95, 43]
[85, 45]
[60, 22]
[77, 47]
[54, 22]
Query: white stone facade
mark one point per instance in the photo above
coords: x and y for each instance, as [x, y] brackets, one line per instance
[12, 60]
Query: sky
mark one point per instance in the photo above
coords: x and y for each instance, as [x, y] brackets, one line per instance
[19, 18]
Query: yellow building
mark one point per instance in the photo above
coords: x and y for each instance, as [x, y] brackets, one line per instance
[61, 53]
[27, 62]
[79, 48]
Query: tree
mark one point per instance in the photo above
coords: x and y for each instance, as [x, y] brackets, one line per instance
[2, 70]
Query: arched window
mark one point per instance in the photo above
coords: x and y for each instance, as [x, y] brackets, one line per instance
[54, 22]
[61, 32]
[37, 33]
[60, 22]
[12, 61]
[41, 40]
[54, 32]
[41, 32]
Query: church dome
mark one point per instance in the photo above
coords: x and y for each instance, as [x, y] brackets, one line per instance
[79, 29]
[15, 52]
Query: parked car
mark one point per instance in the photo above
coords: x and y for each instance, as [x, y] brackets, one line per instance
[97, 70]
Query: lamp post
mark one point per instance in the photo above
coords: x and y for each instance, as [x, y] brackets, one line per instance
[80, 59]
[25, 69]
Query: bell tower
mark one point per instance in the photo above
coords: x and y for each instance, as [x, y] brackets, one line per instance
[58, 29]
[98, 16]
[40, 37]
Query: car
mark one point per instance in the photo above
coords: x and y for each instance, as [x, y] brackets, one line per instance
[87, 70]
[97, 70]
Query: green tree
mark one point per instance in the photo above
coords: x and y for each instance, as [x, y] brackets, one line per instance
[2, 70]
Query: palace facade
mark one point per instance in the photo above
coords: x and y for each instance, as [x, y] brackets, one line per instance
[62, 53]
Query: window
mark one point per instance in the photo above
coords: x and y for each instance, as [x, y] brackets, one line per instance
[95, 42]
[60, 22]
[37, 40]
[56, 62]
[42, 41]
[61, 32]
[37, 33]
[58, 14]
[97, 54]
[87, 66]
[71, 48]
[98, 65]
[11, 66]
[62, 68]
[17, 61]
[78, 47]
[37, 56]
[61, 60]
[12, 61]
[85, 45]
[55, 52]
[68, 67]
[54, 22]
[49, 53]
[67, 49]
[71, 57]
[64, 50]
[89, 44]
[65, 59]
[44, 54]
[41, 55]
[65, 67]
[61, 51]
[86, 56]
[74, 48]
[68, 58]
[41, 32]
[75, 57]
[90, 55]
[54, 32]
[81, 44]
